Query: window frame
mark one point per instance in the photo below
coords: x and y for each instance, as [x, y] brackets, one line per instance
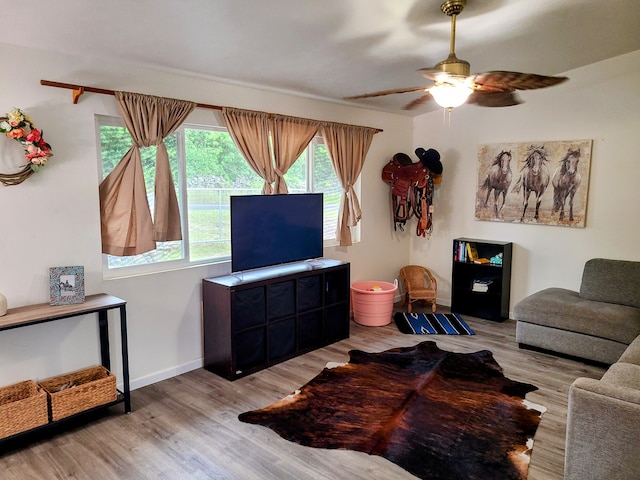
[181, 187]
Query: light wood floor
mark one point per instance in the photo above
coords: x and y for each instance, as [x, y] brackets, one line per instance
[187, 427]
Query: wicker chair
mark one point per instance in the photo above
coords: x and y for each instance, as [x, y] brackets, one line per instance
[419, 284]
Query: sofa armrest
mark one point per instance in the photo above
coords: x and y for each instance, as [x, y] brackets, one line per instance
[603, 427]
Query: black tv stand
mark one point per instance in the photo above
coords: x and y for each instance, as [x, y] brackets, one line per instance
[257, 318]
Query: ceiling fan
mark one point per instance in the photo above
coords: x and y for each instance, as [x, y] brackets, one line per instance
[453, 86]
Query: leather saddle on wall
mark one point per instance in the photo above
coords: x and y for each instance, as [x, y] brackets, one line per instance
[412, 186]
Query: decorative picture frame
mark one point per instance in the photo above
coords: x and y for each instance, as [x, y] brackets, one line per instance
[66, 285]
[539, 183]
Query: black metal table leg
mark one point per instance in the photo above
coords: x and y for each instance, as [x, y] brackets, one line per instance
[103, 325]
[125, 359]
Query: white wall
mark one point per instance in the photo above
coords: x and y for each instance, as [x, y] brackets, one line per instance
[599, 102]
[52, 219]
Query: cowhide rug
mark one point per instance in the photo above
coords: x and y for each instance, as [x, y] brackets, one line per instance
[437, 414]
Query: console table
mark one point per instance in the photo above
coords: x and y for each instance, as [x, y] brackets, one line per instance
[100, 303]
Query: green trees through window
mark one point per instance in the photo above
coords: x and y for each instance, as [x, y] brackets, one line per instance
[207, 169]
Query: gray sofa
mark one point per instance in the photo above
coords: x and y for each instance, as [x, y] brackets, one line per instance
[597, 323]
[601, 323]
[603, 423]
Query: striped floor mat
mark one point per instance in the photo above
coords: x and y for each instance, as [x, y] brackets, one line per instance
[432, 324]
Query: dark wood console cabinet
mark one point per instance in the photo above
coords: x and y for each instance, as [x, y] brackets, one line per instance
[255, 319]
[492, 304]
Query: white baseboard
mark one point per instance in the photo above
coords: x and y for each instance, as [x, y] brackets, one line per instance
[164, 374]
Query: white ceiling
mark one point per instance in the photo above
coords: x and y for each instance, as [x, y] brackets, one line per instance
[328, 48]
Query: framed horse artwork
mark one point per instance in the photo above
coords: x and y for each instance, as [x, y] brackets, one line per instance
[544, 183]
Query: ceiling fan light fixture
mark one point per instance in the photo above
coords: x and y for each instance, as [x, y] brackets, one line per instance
[450, 96]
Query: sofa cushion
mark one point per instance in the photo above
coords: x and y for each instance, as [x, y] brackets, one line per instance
[567, 310]
[623, 375]
[611, 281]
[632, 353]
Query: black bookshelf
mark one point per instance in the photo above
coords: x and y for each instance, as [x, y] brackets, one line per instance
[481, 289]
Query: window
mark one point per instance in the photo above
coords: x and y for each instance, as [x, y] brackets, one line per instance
[208, 169]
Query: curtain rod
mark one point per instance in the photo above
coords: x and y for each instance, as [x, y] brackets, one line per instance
[78, 90]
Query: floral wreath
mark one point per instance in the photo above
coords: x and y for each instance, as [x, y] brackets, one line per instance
[20, 127]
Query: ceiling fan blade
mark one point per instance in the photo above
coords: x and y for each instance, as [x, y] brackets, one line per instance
[493, 99]
[387, 92]
[418, 101]
[501, 81]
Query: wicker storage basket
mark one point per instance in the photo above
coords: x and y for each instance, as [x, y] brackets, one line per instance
[78, 391]
[23, 406]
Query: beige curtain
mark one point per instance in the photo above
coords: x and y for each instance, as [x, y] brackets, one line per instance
[250, 132]
[127, 228]
[347, 146]
[290, 137]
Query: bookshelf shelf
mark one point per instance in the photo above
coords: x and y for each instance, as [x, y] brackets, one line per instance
[492, 304]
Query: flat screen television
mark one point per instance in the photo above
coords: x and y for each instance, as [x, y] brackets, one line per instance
[274, 229]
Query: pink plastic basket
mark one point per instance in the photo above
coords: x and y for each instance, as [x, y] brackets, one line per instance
[372, 302]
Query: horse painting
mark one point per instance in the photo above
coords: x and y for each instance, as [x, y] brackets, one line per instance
[554, 173]
[534, 178]
[566, 180]
[498, 180]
